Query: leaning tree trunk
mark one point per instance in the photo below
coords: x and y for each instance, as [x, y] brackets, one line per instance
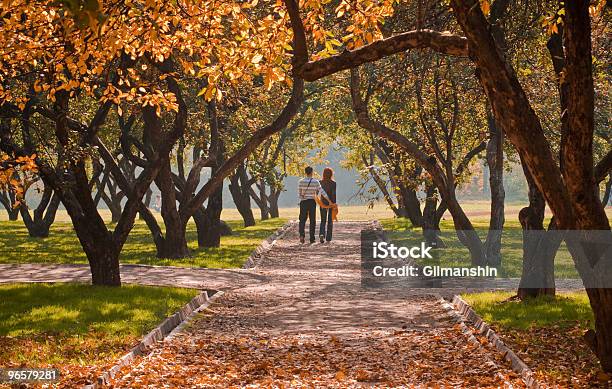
[398, 209]
[241, 196]
[465, 230]
[44, 215]
[7, 198]
[261, 201]
[495, 162]
[146, 202]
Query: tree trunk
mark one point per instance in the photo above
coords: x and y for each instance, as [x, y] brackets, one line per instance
[273, 202]
[241, 196]
[538, 262]
[104, 262]
[486, 175]
[410, 202]
[431, 217]
[600, 340]
[175, 241]
[100, 247]
[115, 209]
[538, 276]
[209, 225]
[495, 162]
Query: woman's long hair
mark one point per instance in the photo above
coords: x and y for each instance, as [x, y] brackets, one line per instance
[328, 173]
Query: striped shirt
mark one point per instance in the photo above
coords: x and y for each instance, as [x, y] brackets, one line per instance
[309, 187]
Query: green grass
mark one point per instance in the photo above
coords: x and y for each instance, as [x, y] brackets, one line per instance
[47, 324]
[401, 232]
[62, 245]
[563, 310]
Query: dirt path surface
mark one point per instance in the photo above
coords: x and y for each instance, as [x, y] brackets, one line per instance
[306, 322]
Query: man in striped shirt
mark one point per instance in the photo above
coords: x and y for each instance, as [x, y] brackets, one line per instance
[308, 188]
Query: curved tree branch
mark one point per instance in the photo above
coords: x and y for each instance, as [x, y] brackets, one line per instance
[443, 42]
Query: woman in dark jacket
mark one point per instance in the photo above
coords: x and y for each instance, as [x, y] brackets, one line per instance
[329, 186]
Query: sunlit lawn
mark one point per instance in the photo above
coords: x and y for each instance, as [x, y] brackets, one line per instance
[50, 324]
[401, 232]
[62, 246]
[563, 310]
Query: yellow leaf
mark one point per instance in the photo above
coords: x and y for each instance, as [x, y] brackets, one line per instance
[485, 5]
[210, 92]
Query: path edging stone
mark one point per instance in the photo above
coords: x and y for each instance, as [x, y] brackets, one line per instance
[164, 331]
[257, 255]
[467, 313]
[465, 330]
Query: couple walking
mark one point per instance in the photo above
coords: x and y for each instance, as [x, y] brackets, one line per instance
[310, 191]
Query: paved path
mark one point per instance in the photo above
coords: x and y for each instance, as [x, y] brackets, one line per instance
[199, 278]
[303, 320]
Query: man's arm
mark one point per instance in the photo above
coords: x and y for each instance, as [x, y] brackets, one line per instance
[300, 190]
[322, 192]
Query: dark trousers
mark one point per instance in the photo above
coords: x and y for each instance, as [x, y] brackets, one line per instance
[326, 218]
[308, 210]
